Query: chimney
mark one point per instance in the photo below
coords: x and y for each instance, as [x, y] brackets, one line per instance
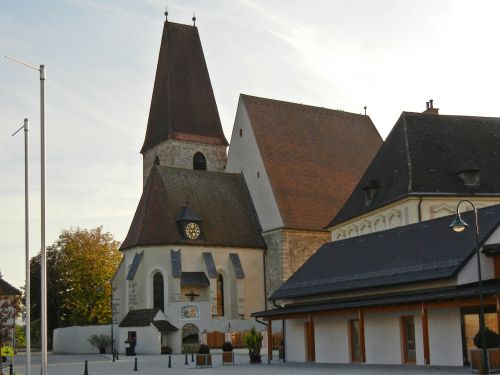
[430, 110]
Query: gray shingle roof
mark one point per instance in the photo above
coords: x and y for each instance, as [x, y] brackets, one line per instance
[419, 252]
[221, 200]
[424, 154]
[434, 294]
[194, 279]
[8, 290]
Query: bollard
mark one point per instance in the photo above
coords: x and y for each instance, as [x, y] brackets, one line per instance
[113, 355]
[11, 370]
[86, 371]
[117, 357]
[169, 361]
[192, 357]
[186, 360]
[135, 364]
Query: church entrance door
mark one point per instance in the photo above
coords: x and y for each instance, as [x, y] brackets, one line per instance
[190, 338]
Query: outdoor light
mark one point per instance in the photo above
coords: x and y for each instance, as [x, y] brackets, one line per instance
[458, 225]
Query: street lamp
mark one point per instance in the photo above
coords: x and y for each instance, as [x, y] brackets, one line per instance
[43, 253]
[459, 225]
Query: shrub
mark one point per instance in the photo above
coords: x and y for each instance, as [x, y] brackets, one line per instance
[227, 347]
[204, 349]
[253, 341]
[100, 341]
[492, 339]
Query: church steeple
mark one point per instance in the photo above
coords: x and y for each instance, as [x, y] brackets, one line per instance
[183, 107]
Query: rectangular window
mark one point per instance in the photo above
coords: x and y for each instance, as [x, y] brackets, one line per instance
[355, 348]
[470, 327]
[408, 339]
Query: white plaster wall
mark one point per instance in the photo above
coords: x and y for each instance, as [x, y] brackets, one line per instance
[75, 339]
[445, 337]
[148, 339]
[295, 340]
[468, 274]
[244, 157]
[383, 337]
[494, 238]
[403, 212]
[332, 339]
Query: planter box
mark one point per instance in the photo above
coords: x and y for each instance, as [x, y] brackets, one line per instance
[203, 360]
[228, 358]
[255, 359]
[476, 362]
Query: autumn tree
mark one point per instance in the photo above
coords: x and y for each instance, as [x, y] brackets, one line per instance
[80, 265]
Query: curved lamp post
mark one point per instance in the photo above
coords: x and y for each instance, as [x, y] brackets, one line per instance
[459, 225]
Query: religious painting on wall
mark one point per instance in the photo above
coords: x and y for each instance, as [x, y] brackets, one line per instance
[190, 312]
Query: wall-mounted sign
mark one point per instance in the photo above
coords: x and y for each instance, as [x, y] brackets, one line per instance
[190, 312]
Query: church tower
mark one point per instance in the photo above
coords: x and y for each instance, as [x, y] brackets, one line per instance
[184, 128]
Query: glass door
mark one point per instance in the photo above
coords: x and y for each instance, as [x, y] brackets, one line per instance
[408, 339]
[470, 327]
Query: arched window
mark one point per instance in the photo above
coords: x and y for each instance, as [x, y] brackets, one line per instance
[220, 295]
[158, 293]
[199, 162]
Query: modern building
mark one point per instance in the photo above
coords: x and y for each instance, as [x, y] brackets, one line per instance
[396, 285]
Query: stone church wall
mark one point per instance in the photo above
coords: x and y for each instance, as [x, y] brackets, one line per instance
[180, 154]
[287, 250]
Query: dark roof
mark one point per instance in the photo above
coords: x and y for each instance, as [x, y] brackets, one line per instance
[418, 252]
[313, 156]
[238, 268]
[164, 326]
[424, 154]
[186, 214]
[220, 199]
[176, 261]
[145, 317]
[433, 294]
[194, 279]
[183, 104]
[8, 290]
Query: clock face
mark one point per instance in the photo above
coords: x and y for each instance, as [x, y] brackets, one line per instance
[192, 231]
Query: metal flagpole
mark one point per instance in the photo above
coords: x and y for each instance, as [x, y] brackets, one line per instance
[43, 260]
[27, 245]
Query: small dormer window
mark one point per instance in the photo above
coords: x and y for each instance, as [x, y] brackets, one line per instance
[470, 177]
[370, 191]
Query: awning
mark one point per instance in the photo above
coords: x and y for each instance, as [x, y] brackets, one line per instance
[194, 279]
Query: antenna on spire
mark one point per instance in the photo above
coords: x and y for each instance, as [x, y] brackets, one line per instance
[166, 13]
[194, 19]
[365, 109]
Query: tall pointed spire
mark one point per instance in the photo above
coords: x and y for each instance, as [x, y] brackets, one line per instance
[183, 104]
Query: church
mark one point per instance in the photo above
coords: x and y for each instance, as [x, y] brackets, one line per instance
[217, 231]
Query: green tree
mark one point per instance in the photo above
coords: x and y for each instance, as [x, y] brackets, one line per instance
[80, 265]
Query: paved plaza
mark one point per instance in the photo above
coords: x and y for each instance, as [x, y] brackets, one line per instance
[158, 365]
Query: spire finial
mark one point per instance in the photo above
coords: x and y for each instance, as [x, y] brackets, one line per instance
[194, 19]
[365, 109]
[166, 13]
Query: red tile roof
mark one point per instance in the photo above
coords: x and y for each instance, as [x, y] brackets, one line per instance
[183, 104]
[314, 156]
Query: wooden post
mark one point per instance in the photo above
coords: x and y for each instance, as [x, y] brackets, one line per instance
[425, 334]
[311, 341]
[269, 341]
[498, 312]
[362, 351]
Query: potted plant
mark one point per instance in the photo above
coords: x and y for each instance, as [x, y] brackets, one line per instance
[165, 349]
[100, 342]
[253, 341]
[493, 351]
[204, 358]
[227, 353]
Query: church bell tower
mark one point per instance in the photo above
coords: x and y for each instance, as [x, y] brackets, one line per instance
[184, 128]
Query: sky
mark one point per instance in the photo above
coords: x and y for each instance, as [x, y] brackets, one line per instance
[101, 55]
